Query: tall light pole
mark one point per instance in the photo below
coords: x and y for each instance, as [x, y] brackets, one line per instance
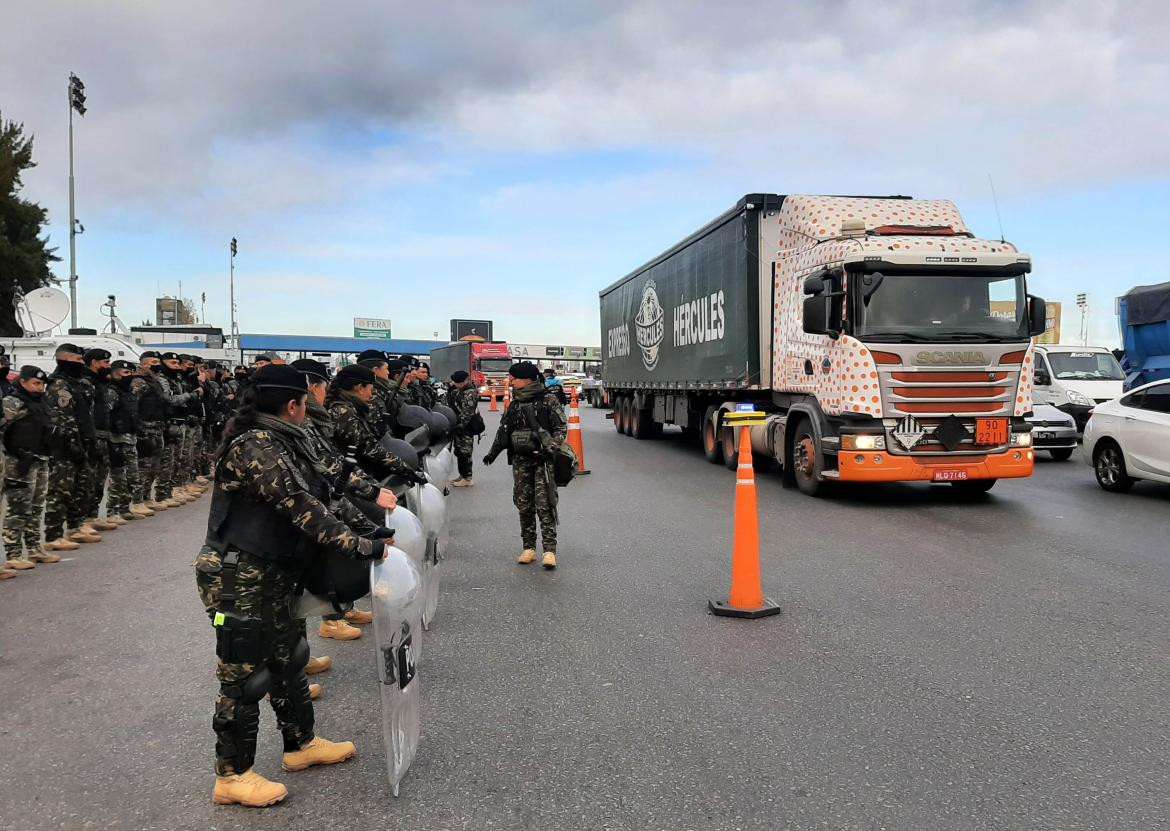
[1083, 304]
[76, 102]
[232, 289]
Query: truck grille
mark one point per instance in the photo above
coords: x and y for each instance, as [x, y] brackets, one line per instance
[926, 392]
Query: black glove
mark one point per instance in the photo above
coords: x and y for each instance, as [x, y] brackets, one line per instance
[117, 456]
[382, 533]
[489, 458]
[415, 477]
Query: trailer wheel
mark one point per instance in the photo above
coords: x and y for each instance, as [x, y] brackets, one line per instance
[806, 460]
[643, 424]
[712, 446]
[627, 405]
[730, 453]
[637, 422]
[619, 416]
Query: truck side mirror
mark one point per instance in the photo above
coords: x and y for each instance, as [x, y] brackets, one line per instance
[1037, 316]
[819, 318]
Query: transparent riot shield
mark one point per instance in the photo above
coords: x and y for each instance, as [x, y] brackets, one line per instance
[411, 537]
[433, 505]
[396, 592]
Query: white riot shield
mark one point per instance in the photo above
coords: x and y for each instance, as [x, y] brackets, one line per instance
[396, 592]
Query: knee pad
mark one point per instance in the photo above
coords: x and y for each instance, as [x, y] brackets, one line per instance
[299, 656]
[251, 689]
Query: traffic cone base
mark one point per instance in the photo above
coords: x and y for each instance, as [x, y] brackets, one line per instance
[721, 608]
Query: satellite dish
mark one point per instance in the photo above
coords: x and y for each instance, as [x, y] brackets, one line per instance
[40, 311]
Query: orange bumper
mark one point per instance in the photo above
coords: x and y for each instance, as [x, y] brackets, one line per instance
[879, 466]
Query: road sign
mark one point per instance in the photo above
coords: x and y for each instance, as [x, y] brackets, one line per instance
[371, 327]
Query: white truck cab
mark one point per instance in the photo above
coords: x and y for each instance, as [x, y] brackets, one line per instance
[1076, 378]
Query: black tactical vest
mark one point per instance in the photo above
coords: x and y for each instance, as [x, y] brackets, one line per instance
[122, 420]
[101, 405]
[151, 407]
[31, 433]
[236, 520]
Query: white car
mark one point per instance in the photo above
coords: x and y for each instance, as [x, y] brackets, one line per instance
[1129, 438]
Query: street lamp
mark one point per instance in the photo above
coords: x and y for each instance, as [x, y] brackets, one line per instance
[232, 290]
[76, 102]
[1083, 305]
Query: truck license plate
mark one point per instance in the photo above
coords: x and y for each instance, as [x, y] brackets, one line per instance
[992, 431]
[950, 476]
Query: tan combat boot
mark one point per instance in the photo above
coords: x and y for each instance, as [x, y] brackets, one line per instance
[318, 752]
[81, 535]
[130, 516]
[181, 497]
[550, 560]
[43, 555]
[314, 692]
[463, 483]
[7, 574]
[141, 510]
[107, 524]
[201, 480]
[527, 556]
[115, 520]
[339, 630]
[248, 788]
[155, 505]
[318, 664]
[19, 564]
[61, 544]
[359, 617]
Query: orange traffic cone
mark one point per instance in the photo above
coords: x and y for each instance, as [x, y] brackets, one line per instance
[575, 433]
[495, 406]
[747, 594]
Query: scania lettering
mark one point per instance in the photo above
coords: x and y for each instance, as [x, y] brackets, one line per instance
[884, 341]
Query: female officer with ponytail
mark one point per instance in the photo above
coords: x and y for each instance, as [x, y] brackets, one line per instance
[269, 521]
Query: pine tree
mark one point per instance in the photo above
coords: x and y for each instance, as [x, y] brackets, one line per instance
[25, 256]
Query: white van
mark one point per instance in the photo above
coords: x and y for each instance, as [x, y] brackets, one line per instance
[1076, 378]
[40, 351]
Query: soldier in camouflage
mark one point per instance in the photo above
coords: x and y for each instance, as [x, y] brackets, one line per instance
[534, 491]
[70, 409]
[98, 469]
[359, 485]
[173, 482]
[348, 402]
[26, 433]
[152, 413]
[127, 389]
[463, 398]
[269, 521]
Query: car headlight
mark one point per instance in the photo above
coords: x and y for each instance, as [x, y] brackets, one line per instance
[1079, 399]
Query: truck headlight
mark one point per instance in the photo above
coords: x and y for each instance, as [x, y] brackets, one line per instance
[1022, 439]
[1079, 399]
[863, 442]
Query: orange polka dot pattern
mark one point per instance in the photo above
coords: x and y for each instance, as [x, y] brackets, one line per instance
[844, 377]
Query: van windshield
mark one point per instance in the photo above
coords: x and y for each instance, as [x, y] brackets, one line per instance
[1085, 366]
[946, 307]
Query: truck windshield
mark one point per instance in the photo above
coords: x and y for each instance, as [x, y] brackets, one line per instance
[1085, 366]
[494, 364]
[939, 307]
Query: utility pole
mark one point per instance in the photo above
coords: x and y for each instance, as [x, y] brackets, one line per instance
[232, 289]
[76, 102]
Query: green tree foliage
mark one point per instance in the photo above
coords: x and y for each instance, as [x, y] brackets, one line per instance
[25, 255]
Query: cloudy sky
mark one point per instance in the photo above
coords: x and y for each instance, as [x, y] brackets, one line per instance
[506, 160]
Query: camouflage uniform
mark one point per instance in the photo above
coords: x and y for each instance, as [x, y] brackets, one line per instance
[150, 447]
[73, 425]
[260, 643]
[98, 469]
[125, 484]
[465, 403]
[168, 387]
[351, 427]
[25, 430]
[533, 490]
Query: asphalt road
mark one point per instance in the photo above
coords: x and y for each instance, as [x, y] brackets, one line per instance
[1001, 664]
